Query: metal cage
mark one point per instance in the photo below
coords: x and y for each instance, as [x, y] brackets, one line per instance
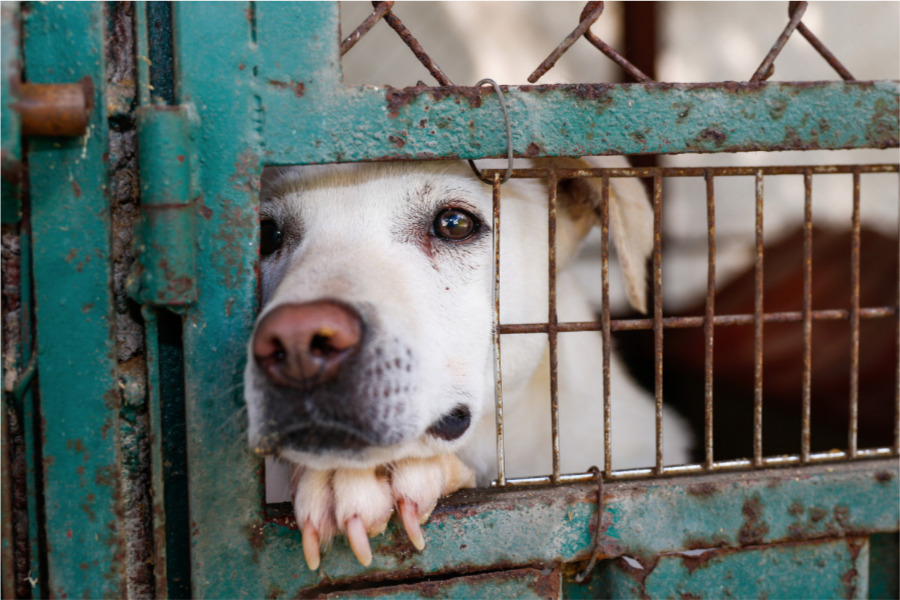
[125, 467]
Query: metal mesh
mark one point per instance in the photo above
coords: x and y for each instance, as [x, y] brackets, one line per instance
[659, 322]
[589, 15]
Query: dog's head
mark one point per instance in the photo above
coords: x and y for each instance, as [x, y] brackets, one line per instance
[374, 342]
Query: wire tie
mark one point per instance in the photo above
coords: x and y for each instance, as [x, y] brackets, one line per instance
[595, 546]
[509, 148]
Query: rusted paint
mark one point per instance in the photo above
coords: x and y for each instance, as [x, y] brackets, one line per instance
[298, 87]
[754, 529]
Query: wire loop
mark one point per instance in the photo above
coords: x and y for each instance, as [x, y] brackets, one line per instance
[509, 146]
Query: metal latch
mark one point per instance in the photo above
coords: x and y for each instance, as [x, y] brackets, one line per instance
[165, 270]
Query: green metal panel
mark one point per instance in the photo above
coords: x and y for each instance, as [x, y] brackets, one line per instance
[80, 400]
[11, 163]
[214, 58]
[822, 569]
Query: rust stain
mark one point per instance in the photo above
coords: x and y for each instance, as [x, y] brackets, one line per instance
[883, 476]
[298, 87]
[76, 188]
[532, 150]
[754, 528]
[699, 558]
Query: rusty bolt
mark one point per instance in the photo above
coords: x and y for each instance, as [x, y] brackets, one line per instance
[56, 109]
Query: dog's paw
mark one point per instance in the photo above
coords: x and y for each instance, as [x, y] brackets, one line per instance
[358, 502]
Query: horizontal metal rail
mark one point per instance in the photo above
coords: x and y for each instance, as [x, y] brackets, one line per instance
[694, 469]
[688, 322]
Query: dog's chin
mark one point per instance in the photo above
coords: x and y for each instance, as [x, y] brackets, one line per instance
[324, 440]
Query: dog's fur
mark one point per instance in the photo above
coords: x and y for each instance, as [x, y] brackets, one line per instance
[362, 235]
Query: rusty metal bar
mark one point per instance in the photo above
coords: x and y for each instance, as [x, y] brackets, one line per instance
[552, 322]
[698, 171]
[766, 68]
[380, 10]
[825, 52]
[604, 321]
[897, 396]
[854, 321]
[498, 380]
[722, 467]
[617, 58]
[838, 314]
[758, 326]
[708, 322]
[658, 316]
[56, 109]
[414, 45]
[589, 15]
[807, 314]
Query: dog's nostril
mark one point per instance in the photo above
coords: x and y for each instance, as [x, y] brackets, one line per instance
[453, 424]
[321, 343]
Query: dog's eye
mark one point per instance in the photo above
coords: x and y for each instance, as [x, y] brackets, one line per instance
[270, 237]
[455, 224]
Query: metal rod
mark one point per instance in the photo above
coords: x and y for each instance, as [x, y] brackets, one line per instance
[414, 45]
[854, 321]
[758, 320]
[589, 15]
[381, 9]
[56, 109]
[617, 58]
[825, 52]
[498, 389]
[694, 469]
[698, 171]
[709, 324]
[897, 395]
[765, 69]
[552, 321]
[604, 320]
[881, 312]
[807, 315]
[657, 316]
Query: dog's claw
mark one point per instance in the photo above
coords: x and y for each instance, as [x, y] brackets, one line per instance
[311, 545]
[409, 515]
[359, 540]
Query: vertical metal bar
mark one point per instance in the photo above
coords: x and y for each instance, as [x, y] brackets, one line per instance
[897, 395]
[854, 321]
[604, 332]
[553, 322]
[79, 396]
[658, 314]
[498, 390]
[807, 315]
[758, 327]
[710, 314]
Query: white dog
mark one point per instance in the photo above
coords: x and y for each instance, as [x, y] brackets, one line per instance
[371, 366]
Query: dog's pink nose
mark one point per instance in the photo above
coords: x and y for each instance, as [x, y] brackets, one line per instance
[300, 345]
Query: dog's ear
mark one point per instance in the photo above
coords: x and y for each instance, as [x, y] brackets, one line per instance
[630, 217]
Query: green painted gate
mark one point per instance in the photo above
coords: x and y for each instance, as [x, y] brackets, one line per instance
[128, 474]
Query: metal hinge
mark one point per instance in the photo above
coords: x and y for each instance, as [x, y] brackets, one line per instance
[164, 272]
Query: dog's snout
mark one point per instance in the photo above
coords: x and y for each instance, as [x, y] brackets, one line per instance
[302, 345]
